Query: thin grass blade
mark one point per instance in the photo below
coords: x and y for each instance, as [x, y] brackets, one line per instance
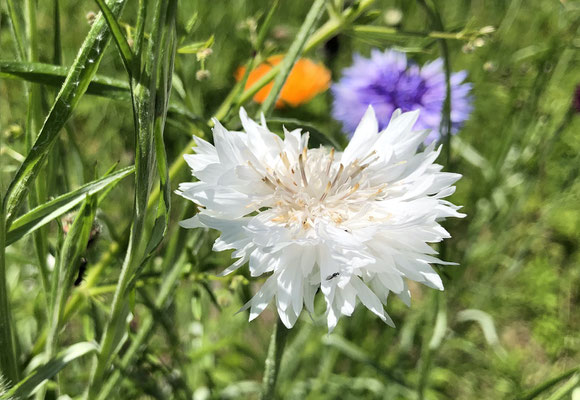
[28, 385]
[292, 55]
[58, 207]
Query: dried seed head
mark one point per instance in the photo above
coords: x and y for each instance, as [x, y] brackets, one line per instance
[91, 16]
[202, 75]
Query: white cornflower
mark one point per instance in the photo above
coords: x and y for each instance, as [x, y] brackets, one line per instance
[352, 224]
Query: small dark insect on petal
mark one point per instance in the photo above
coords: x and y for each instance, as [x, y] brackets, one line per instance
[82, 269]
[330, 277]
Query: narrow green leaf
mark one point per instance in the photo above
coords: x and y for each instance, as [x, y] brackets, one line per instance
[122, 44]
[59, 206]
[55, 75]
[28, 385]
[75, 85]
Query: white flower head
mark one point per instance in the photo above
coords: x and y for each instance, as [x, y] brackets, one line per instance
[352, 224]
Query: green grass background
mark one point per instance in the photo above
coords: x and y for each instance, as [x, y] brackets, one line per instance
[518, 249]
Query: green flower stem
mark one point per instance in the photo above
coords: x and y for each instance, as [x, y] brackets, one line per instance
[272, 364]
[437, 23]
[439, 309]
[387, 31]
[437, 317]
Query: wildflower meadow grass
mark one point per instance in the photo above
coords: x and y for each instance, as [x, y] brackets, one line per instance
[241, 199]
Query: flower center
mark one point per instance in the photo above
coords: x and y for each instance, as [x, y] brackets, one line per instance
[318, 187]
[405, 91]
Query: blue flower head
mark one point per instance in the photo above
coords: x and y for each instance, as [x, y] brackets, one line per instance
[388, 81]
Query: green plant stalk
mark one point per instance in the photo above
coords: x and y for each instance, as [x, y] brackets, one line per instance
[144, 103]
[122, 45]
[37, 193]
[292, 55]
[426, 352]
[437, 23]
[8, 362]
[440, 306]
[140, 28]
[272, 364]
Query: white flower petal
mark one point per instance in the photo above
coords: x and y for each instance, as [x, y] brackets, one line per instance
[363, 138]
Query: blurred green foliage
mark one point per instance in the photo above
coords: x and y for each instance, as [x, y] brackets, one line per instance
[518, 248]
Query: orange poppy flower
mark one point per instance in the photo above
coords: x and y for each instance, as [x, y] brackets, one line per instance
[305, 81]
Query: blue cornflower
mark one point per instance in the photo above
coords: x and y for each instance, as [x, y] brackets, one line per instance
[387, 81]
